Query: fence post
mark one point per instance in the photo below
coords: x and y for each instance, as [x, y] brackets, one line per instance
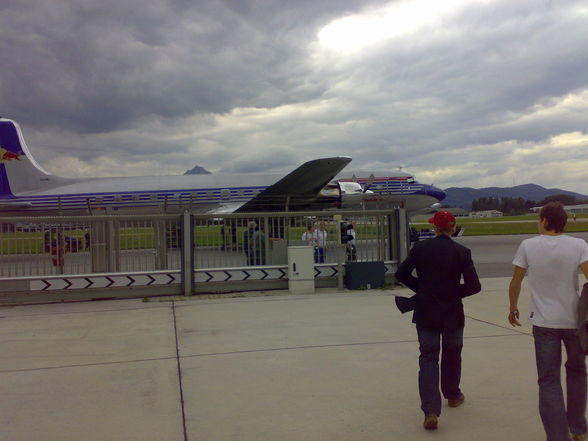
[187, 253]
[340, 253]
[403, 234]
[114, 245]
[98, 246]
[381, 237]
[392, 235]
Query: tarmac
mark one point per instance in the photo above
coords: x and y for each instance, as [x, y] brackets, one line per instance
[327, 366]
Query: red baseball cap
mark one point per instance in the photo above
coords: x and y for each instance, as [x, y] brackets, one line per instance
[443, 219]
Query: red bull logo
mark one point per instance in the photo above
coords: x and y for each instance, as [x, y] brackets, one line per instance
[6, 156]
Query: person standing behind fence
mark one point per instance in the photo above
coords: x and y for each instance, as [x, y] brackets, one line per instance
[248, 242]
[320, 236]
[351, 242]
[440, 264]
[310, 238]
[308, 235]
[551, 262]
[258, 247]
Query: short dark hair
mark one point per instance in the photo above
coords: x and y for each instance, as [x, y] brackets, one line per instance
[555, 216]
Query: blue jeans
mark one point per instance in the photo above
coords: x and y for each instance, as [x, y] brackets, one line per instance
[431, 342]
[319, 255]
[558, 421]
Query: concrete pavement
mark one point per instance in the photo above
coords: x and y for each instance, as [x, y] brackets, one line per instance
[338, 366]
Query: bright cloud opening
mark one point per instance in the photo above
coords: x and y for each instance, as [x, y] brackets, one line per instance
[354, 32]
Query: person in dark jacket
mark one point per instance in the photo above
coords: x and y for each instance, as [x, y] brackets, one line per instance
[438, 314]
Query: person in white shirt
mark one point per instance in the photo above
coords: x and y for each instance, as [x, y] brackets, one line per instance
[320, 236]
[551, 261]
[310, 237]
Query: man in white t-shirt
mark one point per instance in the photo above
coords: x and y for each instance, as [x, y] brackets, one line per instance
[551, 261]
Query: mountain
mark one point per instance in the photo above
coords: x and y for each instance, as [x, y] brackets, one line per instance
[197, 170]
[463, 196]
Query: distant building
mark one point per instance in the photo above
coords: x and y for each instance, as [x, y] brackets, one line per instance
[486, 213]
[456, 211]
[577, 209]
[572, 209]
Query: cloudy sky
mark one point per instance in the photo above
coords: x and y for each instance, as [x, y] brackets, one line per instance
[459, 92]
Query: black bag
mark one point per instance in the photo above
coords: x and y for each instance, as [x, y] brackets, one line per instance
[404, 304]
[583, 319]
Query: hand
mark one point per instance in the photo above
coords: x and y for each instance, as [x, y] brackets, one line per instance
[513, 318]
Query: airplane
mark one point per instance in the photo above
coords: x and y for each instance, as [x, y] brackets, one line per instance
[27, 189]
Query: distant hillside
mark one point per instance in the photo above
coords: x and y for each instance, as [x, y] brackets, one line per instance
[197, 170]
[463, 196]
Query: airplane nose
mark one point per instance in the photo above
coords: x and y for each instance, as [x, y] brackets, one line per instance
[435, 192]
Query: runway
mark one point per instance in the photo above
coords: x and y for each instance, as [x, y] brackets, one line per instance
[493, 254]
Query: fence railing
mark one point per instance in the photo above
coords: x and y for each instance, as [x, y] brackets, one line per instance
[48, 246]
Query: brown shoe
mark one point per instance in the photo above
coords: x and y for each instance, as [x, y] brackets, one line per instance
[430, 422]
[578, 436]
[457, 402]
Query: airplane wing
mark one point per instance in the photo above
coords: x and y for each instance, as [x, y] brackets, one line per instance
[303, 183]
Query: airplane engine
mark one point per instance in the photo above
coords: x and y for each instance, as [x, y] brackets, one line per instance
[353, 195]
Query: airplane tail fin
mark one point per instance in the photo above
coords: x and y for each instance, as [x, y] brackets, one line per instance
[19, 172]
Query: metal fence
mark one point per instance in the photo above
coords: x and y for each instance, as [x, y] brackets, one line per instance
[264, 239]
[62, 245]
[148, 247]
[84, 245]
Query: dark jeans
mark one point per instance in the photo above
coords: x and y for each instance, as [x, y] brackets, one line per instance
[431, 342]
[558, 421]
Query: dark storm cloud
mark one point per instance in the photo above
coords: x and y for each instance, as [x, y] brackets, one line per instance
[98, 66]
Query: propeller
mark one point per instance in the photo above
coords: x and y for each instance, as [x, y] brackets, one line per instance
[367, 185]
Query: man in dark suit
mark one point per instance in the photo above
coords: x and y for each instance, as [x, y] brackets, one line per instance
[438, 314]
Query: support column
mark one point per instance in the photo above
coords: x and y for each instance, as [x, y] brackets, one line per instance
[403, 241]
[187, 254]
